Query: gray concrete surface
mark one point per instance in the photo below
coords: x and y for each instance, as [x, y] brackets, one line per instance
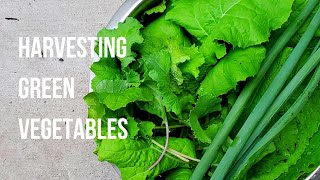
[47, 159]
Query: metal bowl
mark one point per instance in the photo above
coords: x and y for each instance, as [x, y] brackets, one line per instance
[133, 8]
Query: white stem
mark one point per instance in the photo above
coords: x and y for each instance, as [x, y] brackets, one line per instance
[178, 154]
[165, 146]
[171, 151]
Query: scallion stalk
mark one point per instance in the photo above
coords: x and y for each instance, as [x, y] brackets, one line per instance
[292, 112]
[282, 98]
[211, 153]
[266, 100]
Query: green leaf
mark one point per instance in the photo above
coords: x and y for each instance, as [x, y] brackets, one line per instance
[213, 129]
[179, 174]
[164, 35]
[158, 68]
[133, 78]
[111, 86]
[196, 60]
[212, 51]
[205, 105]
[116, 88]
[242, 23]
[134, 157]
[132, 128]
[237, 66]
[146, 128]
[96, 109]
[130, 30]
[308, 163]
[271, 74]
[153, 107]
[157, 9]
[120, 99]
[106, 68]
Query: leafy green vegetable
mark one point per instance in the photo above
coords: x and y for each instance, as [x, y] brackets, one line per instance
[187, 61]
[307, 163]
[179, 174]
[229, 20]
[132, 128]
[204, 105]
[146, 128]
[112, 101]
[96, 109]
[237, 66]
[158, 66]
[291, 143]
[131, 31]
[297, 8]
[134, 157]
[157, 9]
[212, 51]
[164, 35]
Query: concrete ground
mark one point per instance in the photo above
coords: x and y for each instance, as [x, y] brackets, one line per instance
[47, 159]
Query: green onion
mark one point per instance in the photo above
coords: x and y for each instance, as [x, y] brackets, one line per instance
[279, 125]
[285, 94]
[211, 153]
[282, 98]
[266, 100]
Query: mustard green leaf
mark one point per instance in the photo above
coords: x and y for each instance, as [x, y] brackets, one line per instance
[120, 99]
[213, 129]
[212, 51]
[134, 157]
[204, 105]
[192, 65]
[111, 86]
[155, 106]
[160, 8]
[291, 143]
[158, 68]
[164, 35]
[96, 109]
[179, 174]
[237, 66]
[146, 128]
[105, 68]
[130, 30]
[242, 23]
[132, 128]
[308, 163]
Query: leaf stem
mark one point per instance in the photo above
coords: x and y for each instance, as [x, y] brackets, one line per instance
[165, 146]
[170, 127]
[178, 154]
[171, 157]
[174, 118]
[170, 151]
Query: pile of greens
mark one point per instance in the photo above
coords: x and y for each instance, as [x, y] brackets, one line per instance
[187, 62]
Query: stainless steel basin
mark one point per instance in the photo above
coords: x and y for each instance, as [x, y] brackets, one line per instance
[133, 8]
